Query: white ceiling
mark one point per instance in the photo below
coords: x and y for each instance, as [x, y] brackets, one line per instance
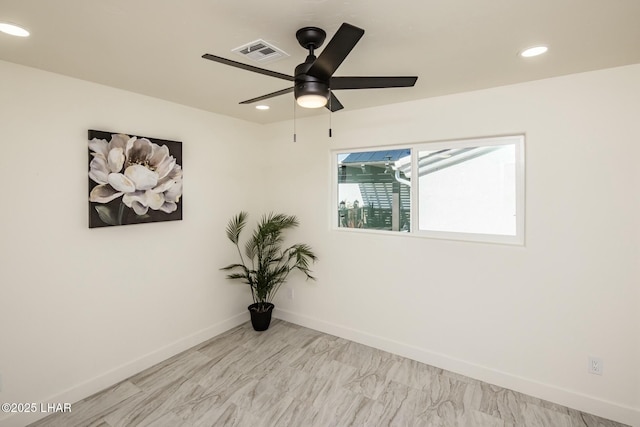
[154, 47]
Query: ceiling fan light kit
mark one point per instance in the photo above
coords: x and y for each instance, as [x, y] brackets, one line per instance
[313, 82]
[312, 101]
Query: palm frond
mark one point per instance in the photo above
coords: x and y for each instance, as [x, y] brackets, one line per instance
[235, 226]
[232, 266]
[250, 248]
[237, 276]
[303, 255]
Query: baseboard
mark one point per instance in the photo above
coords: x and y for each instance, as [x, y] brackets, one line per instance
[122, 372]
[571, 399]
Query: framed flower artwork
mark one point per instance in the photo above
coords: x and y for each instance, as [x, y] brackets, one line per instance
[133, 179]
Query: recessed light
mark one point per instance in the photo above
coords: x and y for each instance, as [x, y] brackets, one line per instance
[262, 107]
[533, 51]
[13, 30]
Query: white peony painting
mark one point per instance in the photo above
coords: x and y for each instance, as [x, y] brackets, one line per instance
[133, 179]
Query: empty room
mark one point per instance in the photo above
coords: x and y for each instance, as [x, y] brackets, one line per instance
[320, 213]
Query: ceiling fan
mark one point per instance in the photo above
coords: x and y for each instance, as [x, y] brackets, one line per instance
[313, 82]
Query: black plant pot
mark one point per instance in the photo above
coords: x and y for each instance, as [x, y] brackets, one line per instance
[261, 319]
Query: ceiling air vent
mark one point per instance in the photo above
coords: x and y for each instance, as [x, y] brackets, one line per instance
[260, 51]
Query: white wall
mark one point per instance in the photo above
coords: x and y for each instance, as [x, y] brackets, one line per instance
[522, 317]
[81, 309]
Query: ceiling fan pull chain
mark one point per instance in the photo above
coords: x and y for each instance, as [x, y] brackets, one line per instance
[294, 120]
[330, 113]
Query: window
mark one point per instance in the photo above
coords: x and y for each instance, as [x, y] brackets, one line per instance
[372, 192]
[465, 190]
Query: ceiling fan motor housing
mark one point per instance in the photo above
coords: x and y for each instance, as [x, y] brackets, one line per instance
[309, 85]
[310, 38]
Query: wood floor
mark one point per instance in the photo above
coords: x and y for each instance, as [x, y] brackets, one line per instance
[294, 376]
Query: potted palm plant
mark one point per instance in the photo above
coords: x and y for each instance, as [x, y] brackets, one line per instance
[266, 264]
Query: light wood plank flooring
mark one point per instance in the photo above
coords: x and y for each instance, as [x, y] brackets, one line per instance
[293, 376]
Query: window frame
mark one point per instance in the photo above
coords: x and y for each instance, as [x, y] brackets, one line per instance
[518, 140]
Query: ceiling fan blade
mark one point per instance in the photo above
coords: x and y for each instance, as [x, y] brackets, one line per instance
[247, 67]
[336, 51]
[334, 105]
[371, 82]
[267, 96]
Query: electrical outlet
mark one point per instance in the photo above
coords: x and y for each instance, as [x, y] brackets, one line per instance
[290, 293]
[596, 365]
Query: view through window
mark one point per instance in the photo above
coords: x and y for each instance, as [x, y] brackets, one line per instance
[372, 192]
